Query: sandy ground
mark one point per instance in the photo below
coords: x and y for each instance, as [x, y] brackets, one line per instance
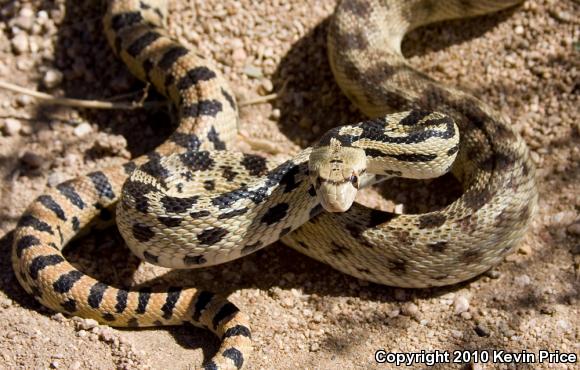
[524, 62]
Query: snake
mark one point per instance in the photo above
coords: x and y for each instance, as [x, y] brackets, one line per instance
[193, 202]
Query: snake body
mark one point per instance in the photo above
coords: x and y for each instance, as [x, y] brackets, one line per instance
[192, 203]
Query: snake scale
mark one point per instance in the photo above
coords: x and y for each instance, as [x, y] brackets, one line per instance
[192, 203]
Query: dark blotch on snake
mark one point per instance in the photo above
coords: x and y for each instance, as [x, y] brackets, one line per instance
[213, 136]
[229, 99]
[238, 330]
[173, 294]
[48, 202]
[96, 294]
[70, 193]
[194, 260]
[431, 221]
[254, 164]
[437, 247]
[25, 242]
[121, 304]
[209, 185]
[151, 258]
[211, 236]
[225, 311]
[202, 301]
[194, 76]
[40, 262]
[122, 20]
[197, 161]
[66, 281]
[171, 56]
[189, 141]
[144, 295]
[178, 205]
[102, 184]
[170, 221]
[70, 305]
[250, 248]
[228, 173]
[142, 233]
[202, 108]
[275, 213]
[234, 213]
[235, 355]
[142, 43]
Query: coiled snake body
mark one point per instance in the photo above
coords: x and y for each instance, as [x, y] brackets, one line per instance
[191, 203]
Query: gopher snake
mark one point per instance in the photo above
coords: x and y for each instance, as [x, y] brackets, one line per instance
[202, 205]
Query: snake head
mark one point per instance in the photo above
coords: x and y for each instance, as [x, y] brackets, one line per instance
[335, 172]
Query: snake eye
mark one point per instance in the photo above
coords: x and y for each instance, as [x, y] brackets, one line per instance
[354, 180]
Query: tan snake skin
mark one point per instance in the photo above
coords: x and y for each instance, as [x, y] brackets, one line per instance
[194, 204]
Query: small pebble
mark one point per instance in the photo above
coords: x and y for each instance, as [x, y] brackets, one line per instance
[11, 126]
[574, 228]
[522, 280]
[83, 129]
[32, 159]
[55, 178]
[461, 303]
[52, 78]
[410, 309]
[314, 347]
[75, 365]
[20, 43]
[253, 71]
[482, 330]
[59, 317]
[55, 364]
[87, 324]
[394, 313]
[519, 30]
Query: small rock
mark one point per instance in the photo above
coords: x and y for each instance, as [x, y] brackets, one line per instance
[574, 228]
[55, 364]
[52, 78]
[83, 129]
[482, 330]
[519, 30]
[75, 365]
[11, 126]
[55, 178]
[239, 55]
[525, 249]
[253, 71]
[457, 333]
[266, 85]
[58, 356]
[20, 43]
[410, 309]
[461, 303]
[106, 334]
[466, 316]
[275, 113]
[394, 313]
[59, 317]
[32, 160]
[87, 324]
[82, 333]
[23, 100]
[5, 302]
[493, 274]
[522, 280]
[25, 19]
[314, 347]
[563, 218]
